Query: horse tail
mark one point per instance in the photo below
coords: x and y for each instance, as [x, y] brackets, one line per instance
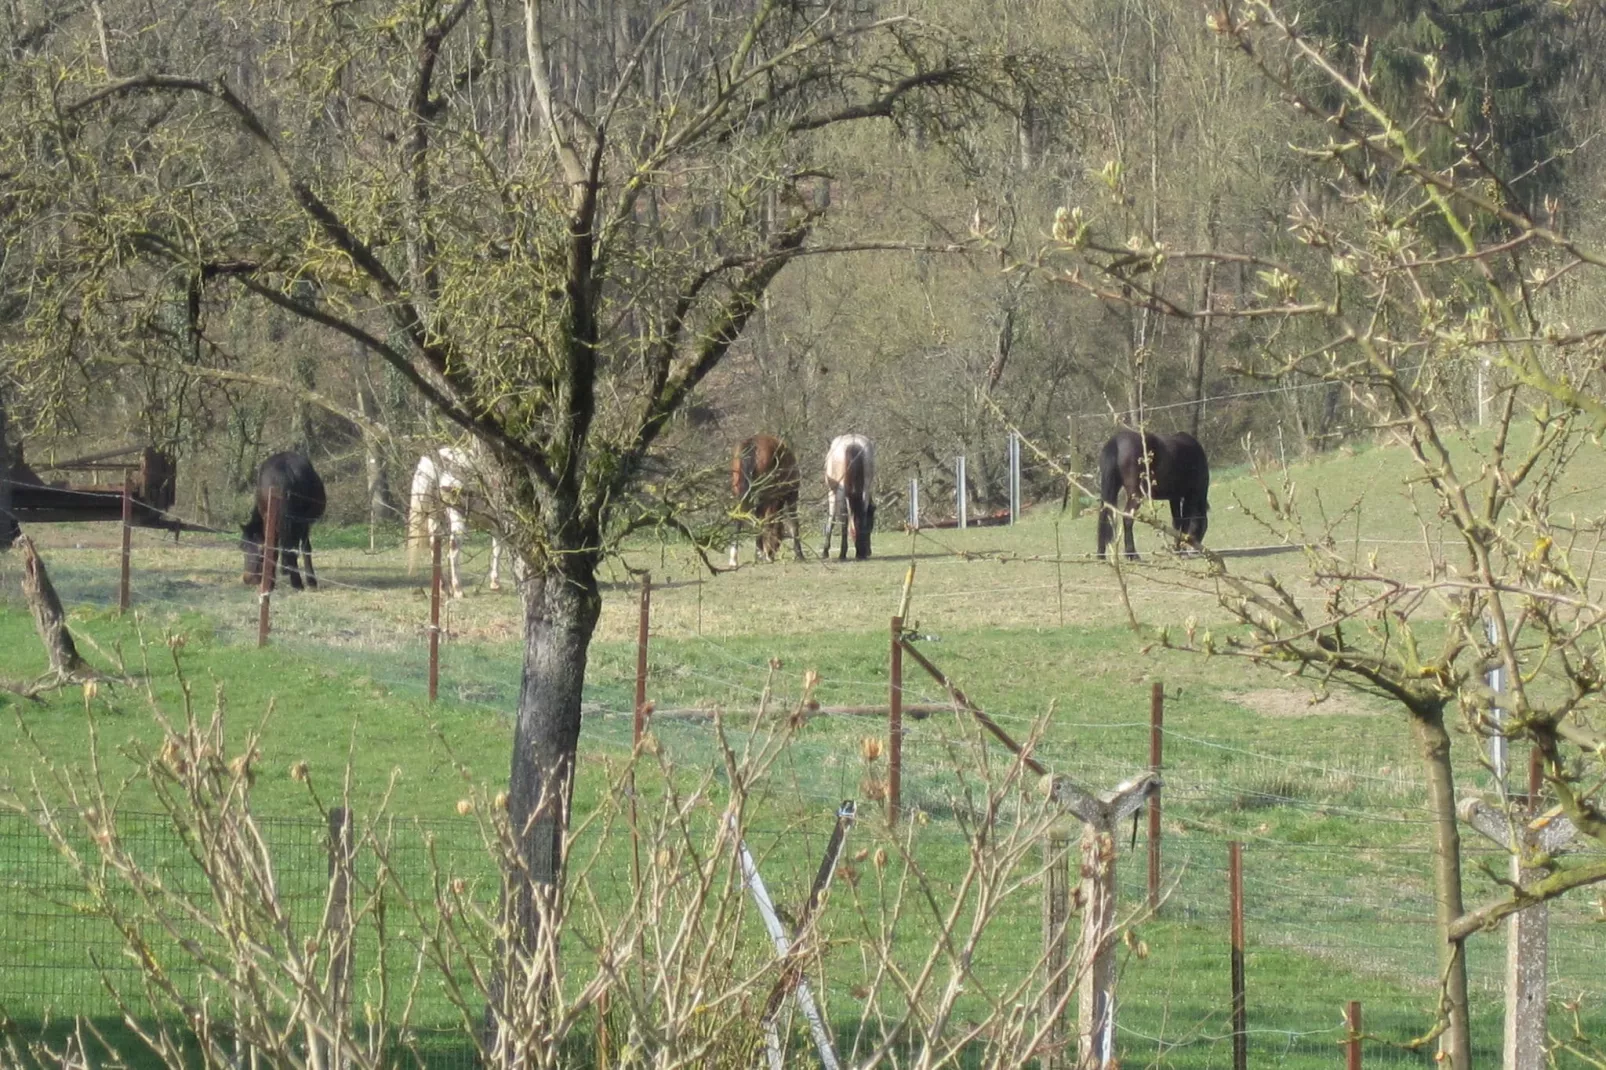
[1110, 483]
[418, 510]
[744, 474]
[856, 480]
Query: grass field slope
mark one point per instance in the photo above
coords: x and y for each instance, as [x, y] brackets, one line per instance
[1323, 789]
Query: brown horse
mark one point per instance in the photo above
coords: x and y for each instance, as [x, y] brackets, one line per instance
[765, 482]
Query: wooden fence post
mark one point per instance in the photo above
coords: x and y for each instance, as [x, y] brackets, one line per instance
[434, 616]
[1056, 946]
[128, 532]
[1071, 451]
[1156, 753]
[1352, 1047]
[270, 564]
[895, 724]
[1240, 1024]
[338, 931]
[1527, 931]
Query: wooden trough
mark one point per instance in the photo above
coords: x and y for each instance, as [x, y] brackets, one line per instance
[151, 476]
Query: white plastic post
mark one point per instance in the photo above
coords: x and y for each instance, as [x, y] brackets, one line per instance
[914, 504]
[1497, 742]
[783, 944]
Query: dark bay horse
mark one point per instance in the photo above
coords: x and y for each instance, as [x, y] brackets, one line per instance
[850, 481]
[765, 481]
[301, 501]
[1169, 467]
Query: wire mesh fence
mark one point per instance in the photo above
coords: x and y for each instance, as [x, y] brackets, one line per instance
[1339, 903]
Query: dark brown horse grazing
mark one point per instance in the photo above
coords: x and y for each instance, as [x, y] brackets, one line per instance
[301, 501]
[1170, 467]
[765, 481]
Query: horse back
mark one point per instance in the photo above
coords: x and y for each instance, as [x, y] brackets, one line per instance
[298, 484]
[766, 460]
[850, 464]
[1187, 466]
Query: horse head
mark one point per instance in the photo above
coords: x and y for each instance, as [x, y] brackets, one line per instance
[251, 545]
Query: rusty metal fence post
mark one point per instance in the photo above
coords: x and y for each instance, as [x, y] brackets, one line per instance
[128, 548]
[270, 565]
[1240, 1028]
[1352, 1046]
[895, 724]
[434, 616]
[1156, 759]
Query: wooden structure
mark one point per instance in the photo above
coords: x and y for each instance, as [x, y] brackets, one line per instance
[151, 480]
[1527, 931]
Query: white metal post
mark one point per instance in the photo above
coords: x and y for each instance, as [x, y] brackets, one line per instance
[1012, 452]
[1497, 742]
[914, 503]
[959, 490]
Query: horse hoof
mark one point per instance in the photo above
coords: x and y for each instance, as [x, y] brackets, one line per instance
[495, 586]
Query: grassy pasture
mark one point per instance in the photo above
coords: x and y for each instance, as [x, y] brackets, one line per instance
[1327, 796]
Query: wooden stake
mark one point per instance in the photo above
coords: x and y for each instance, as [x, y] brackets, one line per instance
[270, 565]
[338, 929]
[1156, 751]
[1240, 1028]
[434, 616]
[1056, 945]
[128, 533]
[895, 722]
[641, 658]
[975, 711]
[1352, 1048]
[1071, 451]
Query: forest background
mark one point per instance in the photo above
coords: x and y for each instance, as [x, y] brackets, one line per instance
[1131, 112]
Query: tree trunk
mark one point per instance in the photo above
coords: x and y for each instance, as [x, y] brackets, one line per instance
[8, 523]
[561, 607]
[48, 619]
[381, 503]
[1456, 1041]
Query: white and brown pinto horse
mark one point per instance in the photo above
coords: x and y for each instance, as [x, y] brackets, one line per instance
[850, 482]
[443, 492]
[766, 483]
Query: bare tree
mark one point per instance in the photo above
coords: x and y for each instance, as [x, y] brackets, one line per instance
[557, 284]
[1405, 280]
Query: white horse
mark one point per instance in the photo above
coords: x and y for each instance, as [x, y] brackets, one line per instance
[850, 480]
[440, 491]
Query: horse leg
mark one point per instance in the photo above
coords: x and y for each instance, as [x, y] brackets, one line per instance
[830, 519]
[1180, 533]
[856, 511]
[496, 563]
[795, 524]
[306, 560]
[1134, 502]
[292, 565]
[850, 523]
[270, 562]
[454, 558]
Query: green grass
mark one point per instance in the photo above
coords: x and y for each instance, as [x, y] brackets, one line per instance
[1327, 797]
